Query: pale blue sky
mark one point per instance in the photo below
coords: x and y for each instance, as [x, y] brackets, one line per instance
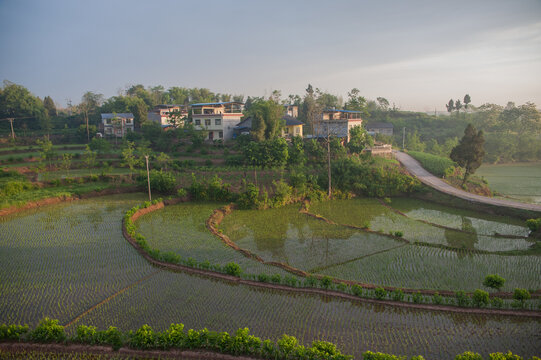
[417, 54]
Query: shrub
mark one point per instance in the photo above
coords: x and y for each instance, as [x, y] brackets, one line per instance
[494, 281]
[12, 332]
[112, 336]
[310, 281]
[398, 233]
[480, 298]
[497, 302]
[437, 165]
[380, 293]
[276, 278]
[437, 299]
[160, 181]
[468, 355]
[342, 287]
[48, 330]
[290, 280]
[143, 338]
[249, 198]
[173, 337]
[417, 298]
[521, 295]
[502, 356]
[369, 355]
[462, 299]
[534, 224]
[233, 269]
[357, 290]
[397, 295]
[326, 282]
[86, 334]
[263, 278]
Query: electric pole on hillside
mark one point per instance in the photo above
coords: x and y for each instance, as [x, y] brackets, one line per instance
[403, 137]
[148, 180]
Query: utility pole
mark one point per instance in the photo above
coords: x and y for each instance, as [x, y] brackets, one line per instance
[148, 180]
[12, 132]
[403, 137]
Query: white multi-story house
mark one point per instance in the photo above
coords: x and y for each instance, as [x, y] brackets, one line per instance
[337, 123]
[116, 124]
[161, 114]
[219, 118]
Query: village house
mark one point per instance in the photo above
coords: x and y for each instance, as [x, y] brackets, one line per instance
[292, 110]
[380, 128]
[116, 124]
[337, 123]
[161, 114]
[219, 118]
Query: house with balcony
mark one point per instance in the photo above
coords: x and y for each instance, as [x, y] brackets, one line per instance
[337, 123]
[116, 124]
[218, 119]
[161, 114]
[292, 110]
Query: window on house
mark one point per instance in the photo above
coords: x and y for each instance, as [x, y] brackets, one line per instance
[218, 121]
[197, 121]
[207, 122]
[128, 121]
[208, 111]
[108, 121]
[286, 130]
[297, 131]
[220, 135]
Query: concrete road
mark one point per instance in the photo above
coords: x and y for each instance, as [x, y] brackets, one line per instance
[415, 168]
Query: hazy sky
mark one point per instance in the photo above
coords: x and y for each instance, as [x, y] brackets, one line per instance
[417, 54]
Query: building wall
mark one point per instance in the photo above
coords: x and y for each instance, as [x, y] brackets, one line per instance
[292, 130]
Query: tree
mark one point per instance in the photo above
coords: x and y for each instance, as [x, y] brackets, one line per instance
[267, 120]
[88, 106]
[467, 101]
[356, 102]
[17, 102]
[458, 105]
[470, 151]
[49, 105]
[129, 158]
[358, 139]
[46, 150]
[450, 106]
[66, 162]
[383, 103]
[494, 281]
[89, 158]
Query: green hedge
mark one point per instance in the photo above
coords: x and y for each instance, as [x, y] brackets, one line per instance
[240, 343]
[437, 165]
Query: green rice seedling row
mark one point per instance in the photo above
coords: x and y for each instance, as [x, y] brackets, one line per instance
[420, 267]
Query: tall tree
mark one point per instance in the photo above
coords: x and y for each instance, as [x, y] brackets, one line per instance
[450, 106]
[88, 106]
[467, 101]
[458, 105]
[470, 151]
[358, 139]
[49, 106]
[267, 120]
[356, 102]
[17, 102]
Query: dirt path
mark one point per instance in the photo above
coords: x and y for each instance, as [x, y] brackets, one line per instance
[415, 168]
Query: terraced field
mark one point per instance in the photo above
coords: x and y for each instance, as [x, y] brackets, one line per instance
[70, 261]
[312, 245]
[181, 229]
